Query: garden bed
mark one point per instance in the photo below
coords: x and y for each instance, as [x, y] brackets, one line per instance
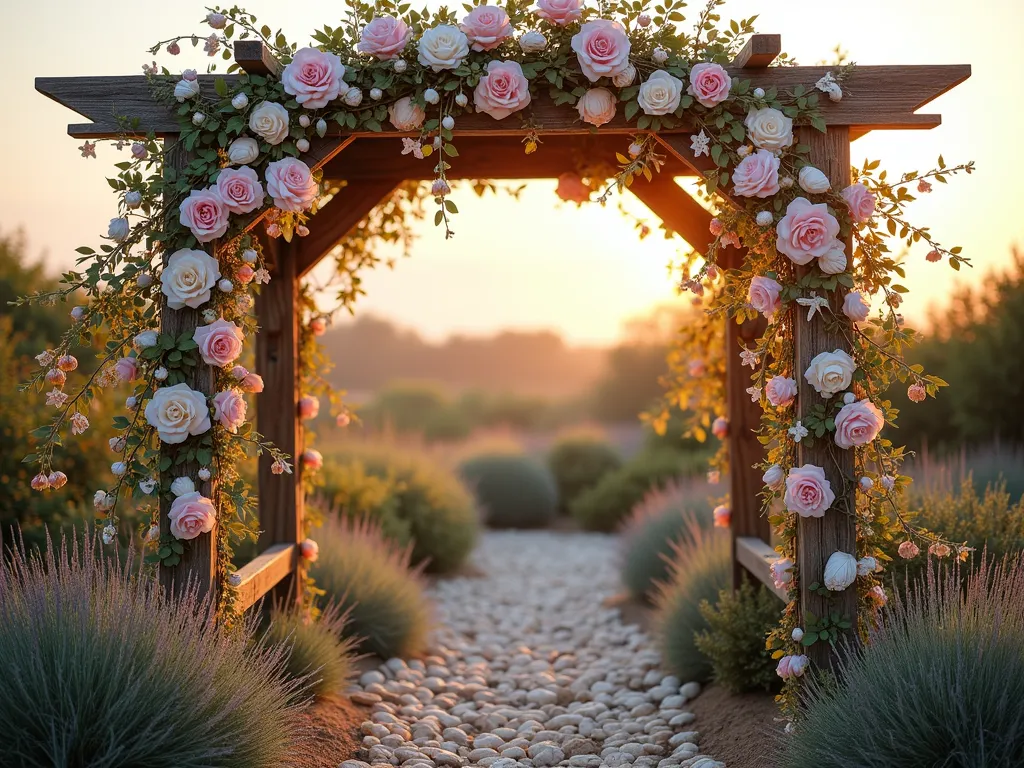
[329, 733]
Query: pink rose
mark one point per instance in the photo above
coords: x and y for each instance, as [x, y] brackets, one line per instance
[314, 78]
[782, 572]
[503, 90]
[709, 84]
[861, 202]
[596, 106]
[696, 368]
[245, 274]
[385, 37]
[602, 49]
[220, 342]
[757, 175]
[855, 307]
[291, 184]
[309, 407]
[806, 232]
[239, 372]
[571, 188]
[191, 514]
[720, 427]
[309, 550]
[858, 423]
[252, 382]
[808, 491]
[405, 115]
[205, 213]
[764, 295]
[780, 391]
[791, 666]
[486, 26]
[722, 516]
[240, 189]
[560, 12]
[312, 460]
[229, 409]
[908, 550]
[126, 369]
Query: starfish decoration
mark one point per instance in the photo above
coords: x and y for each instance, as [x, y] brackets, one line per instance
[828, 84]
[261, 276]
[413, 147]
[755, 394]
[749, 357]
[814, 304]
[699, 143]
[88, 149]
[798, 432]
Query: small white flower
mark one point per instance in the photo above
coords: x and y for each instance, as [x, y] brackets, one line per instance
[45, 358]
[866, 565]
[217, 20]
[755, 394]
[798, 432]
[182, 485]
[786, 182]
[133, 199]
[102, 501]
[635, 150]
[153, 534]
[814, 304]
[240, 101]
[116, 444]
[185, 90]
[533, 42]
[130, 402]
[448, 122]
[866, 484]
[354, 96]
[813, 181]
[643, 20]
[249, 256]
[744, 150]
[234, 580]
[765, 218]
[376, 94]
[118, 229]
[304, 121]
[849, 398]
[888, 482]
[148, 485]
[462, 99]
[660, 55]
[748, 357]
[431, 96]
[160, 373]
[198, 118]
[401, 65]
[759, 93]
[225, 285]
[625, 78]
[798, 635]
[204, 474]
[700, 143]
[302, 145]
[109, 533]
[118, 468]
[77, 314]
[146, 339]
[321, 127]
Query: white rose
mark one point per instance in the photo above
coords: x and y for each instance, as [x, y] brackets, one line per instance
[118, 229]
[774, 477]
[269, 121]
[769, 129]
[239, 101]
[133, 199]
[182, 485]
[840, 571]
[533, 42]
[866, 565]
[188, 277]
[814, 181]
[146, 339]
[625, 77]
[405, 115]
[659, 95]
[834, 261]
[830, 372]
[443, 47]
[243, 151]
[177, 412]
[186, 89]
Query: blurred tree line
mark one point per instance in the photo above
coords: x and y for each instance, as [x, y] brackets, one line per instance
[25, 332]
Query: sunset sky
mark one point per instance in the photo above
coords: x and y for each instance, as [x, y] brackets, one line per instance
[535, 263]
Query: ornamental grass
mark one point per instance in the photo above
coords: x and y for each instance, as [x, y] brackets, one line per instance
[941, 684]
[513, 490]
[320, 653]
[98, 669]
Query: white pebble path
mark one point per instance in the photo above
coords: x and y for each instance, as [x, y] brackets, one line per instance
[529, 669]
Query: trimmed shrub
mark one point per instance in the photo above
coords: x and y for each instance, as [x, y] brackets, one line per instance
[513, 490]
[319, 653]
[414, 499]
[662, 519]
[605, 505]
[578, 463]
[97, 668]
[371, 580]
[701, 569]
[941, 683]
[734, 641]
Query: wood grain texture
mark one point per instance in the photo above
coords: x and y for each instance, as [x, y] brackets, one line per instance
[199, 561]
[755, 557]
[264, 572]
[758, 52]
[819, 537]
[277, 342]
[255, 58]
[884, 97]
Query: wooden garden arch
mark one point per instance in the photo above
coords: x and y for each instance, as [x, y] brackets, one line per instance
[876, 98]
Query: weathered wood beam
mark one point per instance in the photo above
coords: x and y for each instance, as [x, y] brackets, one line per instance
[876, 98]
[255, 58]
[818, 537]
[277, 346]
[347, 208]
[758, 52]
[263, 573]
[756, 557]
[674, 206]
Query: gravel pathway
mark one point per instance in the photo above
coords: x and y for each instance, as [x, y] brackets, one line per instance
[528, 669]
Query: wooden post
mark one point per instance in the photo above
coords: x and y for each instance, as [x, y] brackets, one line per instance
[277, 348]
[836, 531]
[198, 564]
